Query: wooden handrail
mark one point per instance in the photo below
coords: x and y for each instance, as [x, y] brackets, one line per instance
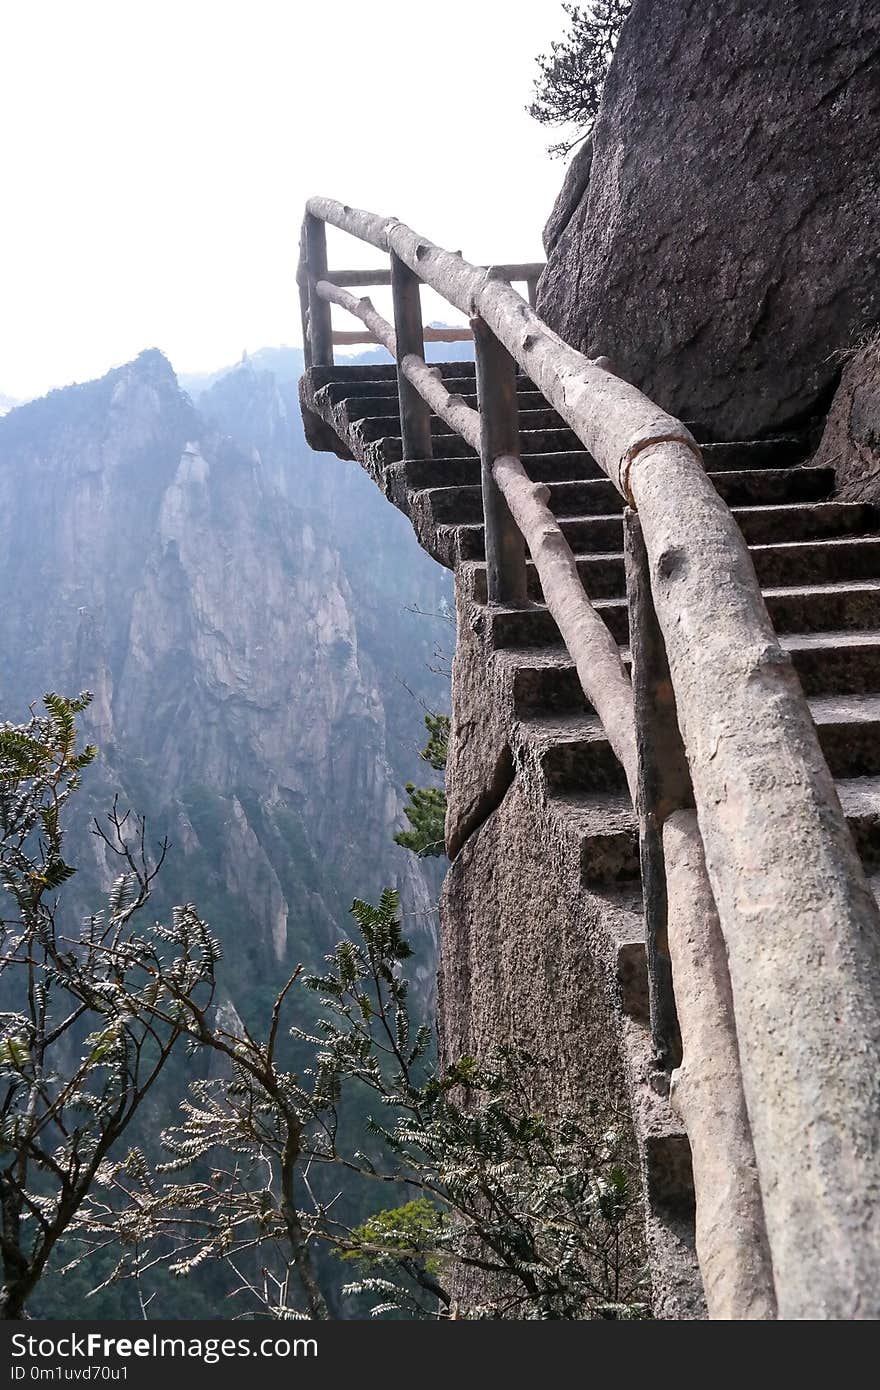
[593, 649]
[613, 418]
[342, 337]
[353, 279]
[733, 1253]
[799, 922]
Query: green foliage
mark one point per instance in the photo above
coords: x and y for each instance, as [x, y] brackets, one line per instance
[426, 813]
[387, 1237]
[571, 76]
[99, 1004]
[540, 1204]
[426, 810]
[436, 750]
[40, 769]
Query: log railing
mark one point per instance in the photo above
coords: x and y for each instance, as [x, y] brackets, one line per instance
[763, 936]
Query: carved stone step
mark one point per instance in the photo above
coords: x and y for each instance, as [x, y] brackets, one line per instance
[849, 732]
[631, 974]
[836, 663]
[605, 827]
[794, 606]
[760, 525]
[574, 465]
[532, 441]
[574, 755]
[384, 372]
[456, 505]
[357, 404]
[537, 441]
[362, 406]
[535, 627]
[609, 853]
[531, 422]
[860, 799]
[569, 465]
[818, 608]
[839, 663]
[384, 392]
[380, 381]
[840, 605]
[782, 565]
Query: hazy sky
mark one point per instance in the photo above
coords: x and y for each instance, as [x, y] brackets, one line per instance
[156, 158]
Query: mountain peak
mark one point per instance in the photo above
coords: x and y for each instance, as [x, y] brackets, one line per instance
[153, 363]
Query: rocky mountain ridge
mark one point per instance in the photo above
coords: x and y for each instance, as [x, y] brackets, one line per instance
[242, 612]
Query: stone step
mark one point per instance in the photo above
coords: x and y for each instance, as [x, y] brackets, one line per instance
[605, 827]
[849, 732]
[781, 565]
[384, 372]
[531, 422]
[530, 404]
[575, 756]
[356, 404]
[382, 399]
[631, 977]
[840, 605]
[836, 663]
[568, 466]
[845, 602]
[761, 525]
[379, 381]
[532, 441]
[575, 465]
[832, 664]
[756, 487]
[535, 627]
[860, 799]
[608, 830]
[573, 753]
[542, 440]
[813, 608]
[793, 562]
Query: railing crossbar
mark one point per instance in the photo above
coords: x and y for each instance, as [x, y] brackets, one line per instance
[344, 338]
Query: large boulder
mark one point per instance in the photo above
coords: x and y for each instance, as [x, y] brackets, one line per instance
[574, 186]
[725, 248]
[851, 439]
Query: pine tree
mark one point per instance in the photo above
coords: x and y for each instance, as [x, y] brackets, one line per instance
[571, 76]
[426, 809]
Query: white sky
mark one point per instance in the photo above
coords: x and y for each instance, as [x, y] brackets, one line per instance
[156, 156]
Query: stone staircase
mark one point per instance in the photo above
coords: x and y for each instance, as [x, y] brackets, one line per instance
[818, 563]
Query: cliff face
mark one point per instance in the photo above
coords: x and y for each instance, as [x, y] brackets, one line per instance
[850, 442]
[719, 240]
[245, 631]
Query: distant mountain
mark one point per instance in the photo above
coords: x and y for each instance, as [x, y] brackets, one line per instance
[6, 403]
[286, 363]
[241, 609]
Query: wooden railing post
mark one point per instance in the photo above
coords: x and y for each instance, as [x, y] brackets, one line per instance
[499, 434]
[664, 782]
[302, 282]
[320, 333]
[415, 414]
